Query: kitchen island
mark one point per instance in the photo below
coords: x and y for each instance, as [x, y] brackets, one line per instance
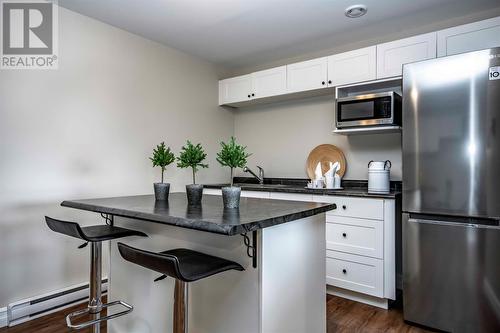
[281, 245]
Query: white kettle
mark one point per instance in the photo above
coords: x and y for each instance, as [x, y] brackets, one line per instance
[379, 176]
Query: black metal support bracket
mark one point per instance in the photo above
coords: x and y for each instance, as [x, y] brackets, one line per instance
[108, 219]
[251, 246]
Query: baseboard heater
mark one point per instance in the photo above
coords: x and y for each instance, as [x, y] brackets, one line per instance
[34, 307]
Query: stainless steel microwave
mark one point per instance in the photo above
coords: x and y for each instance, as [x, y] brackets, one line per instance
[369, 110]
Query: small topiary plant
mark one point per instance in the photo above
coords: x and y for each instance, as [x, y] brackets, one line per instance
[162, 156]
[232, 155]
[192, 156]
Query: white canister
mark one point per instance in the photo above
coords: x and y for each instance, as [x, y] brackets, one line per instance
[379, 176]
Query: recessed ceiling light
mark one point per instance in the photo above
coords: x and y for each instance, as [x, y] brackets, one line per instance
[355, 11]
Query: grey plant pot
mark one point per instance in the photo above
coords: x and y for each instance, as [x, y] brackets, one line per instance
[161, 191]
[231, 196]
[194, 194]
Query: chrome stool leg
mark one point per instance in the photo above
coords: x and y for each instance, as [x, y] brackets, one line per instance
[181, 306]
[95, 305]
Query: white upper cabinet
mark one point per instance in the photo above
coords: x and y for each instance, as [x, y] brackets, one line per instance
[469, 37]
[308, 78]
[235, 89]
[353, 66]
[393, 55]
[269, 82]
[307, 75]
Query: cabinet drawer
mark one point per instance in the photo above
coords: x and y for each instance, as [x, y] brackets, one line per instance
[254, 194]
[291, 196]
[212, 191]
[356, 273]
[357, 207]
[356, 236]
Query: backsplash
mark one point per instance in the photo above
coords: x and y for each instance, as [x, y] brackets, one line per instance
[347, 183]
[280, 137]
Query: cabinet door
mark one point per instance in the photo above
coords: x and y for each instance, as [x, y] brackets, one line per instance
[307, 75]
[354, 66]
[393, 55]
[469, 37]
[235, 89]
[269, 82]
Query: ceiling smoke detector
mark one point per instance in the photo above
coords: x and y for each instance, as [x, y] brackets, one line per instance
[355, 11]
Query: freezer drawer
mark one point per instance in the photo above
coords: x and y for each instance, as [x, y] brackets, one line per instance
[451, 275]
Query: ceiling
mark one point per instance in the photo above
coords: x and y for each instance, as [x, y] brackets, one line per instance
[243, 33]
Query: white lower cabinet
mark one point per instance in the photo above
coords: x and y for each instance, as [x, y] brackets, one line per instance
[360, 244]
[255, 194]
[244, 194]
[357, 273]
[360, 240]
[212, 191]
[291, 196]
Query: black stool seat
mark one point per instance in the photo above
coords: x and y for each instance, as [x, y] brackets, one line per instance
[95, 233]
[182, 264]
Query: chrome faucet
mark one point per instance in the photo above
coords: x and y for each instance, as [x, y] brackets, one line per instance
[260, 177]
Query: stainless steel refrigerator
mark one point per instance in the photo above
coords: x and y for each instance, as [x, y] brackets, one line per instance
[451, 192]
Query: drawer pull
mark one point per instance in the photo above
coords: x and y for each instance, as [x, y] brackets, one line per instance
[344, 235]
[344, 207]
[344, 271]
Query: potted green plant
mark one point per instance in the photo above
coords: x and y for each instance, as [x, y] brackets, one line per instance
[192, 156]
[162, 157]
[233, 156]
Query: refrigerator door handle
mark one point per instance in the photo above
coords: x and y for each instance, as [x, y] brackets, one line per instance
[453, 224]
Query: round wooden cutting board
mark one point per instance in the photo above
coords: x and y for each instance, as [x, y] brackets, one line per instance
[325, 154]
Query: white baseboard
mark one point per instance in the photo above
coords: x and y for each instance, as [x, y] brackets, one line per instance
[3, 317]
[358, 297]
[42, 305]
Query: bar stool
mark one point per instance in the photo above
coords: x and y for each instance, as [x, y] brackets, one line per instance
[184, 266]
[94, 235]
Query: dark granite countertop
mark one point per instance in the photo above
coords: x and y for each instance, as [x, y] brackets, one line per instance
[253, 214]
[351, 188]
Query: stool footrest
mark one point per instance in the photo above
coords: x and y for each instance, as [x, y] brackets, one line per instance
[128, 307]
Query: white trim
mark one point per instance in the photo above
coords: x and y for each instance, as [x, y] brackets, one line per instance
[3, 317]
[390, 249]
[358, 297]
[41, 305]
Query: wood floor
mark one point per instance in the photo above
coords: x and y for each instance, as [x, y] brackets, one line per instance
[342, 316]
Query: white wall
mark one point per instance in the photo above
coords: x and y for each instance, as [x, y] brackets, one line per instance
[87, 130]
[281, 135]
